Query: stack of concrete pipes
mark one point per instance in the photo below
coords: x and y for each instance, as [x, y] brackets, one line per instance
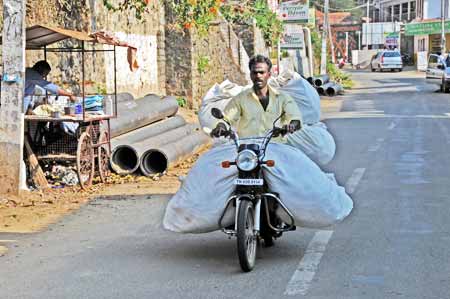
[324, 86]
[148, 135]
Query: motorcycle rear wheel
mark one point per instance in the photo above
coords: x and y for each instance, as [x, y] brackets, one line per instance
[246, 236]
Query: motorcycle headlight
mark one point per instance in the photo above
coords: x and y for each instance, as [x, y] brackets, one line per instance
[247, 160]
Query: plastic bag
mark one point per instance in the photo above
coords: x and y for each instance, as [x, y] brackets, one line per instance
[314, 199]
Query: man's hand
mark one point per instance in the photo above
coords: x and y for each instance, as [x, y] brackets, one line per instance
[72, 98]
[219, 130]
[293, 126]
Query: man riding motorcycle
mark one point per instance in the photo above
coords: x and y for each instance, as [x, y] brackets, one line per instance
[254, 111]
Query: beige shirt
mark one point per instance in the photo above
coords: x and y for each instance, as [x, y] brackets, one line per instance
[246, 114]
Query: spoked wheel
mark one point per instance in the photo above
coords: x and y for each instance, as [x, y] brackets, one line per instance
[103, 154]
[246, 236]
[85, 160]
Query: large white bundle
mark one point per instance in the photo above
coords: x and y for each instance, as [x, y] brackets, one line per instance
[306, 96]
[314, 199]
[201, 199]
[315, 141]
[217, 96]
[311, 196]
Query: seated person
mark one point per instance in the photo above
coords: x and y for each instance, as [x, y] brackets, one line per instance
[35, 76]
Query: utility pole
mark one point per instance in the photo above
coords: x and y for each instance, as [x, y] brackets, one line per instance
[11, 111]
[323, 59]
[367, 25]
[443, 42]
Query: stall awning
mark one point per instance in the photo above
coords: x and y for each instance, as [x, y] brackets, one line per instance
[39, 36]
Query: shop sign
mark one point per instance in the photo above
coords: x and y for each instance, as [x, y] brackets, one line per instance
[425, 28]
[292, 41]
[295, 11]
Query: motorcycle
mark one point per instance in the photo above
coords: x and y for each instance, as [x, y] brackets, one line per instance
[407, 60]
[255, 217]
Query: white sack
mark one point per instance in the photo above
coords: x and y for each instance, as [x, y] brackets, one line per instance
[310, 195]
[217, 96]
[315, 141]
[314, 199]
[306, 96]
[201, 199]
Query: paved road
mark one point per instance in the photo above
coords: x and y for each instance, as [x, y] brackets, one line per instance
[392, 135]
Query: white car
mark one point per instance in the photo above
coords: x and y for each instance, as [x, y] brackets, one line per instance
[386, 60]
[438, 72]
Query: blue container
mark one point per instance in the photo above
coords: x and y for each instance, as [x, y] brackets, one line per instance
[79, 109]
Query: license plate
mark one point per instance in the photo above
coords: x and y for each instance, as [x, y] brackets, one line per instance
[249, 182]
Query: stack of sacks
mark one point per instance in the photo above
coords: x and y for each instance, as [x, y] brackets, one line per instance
[311, 196]
[313, 139]
[314, 200]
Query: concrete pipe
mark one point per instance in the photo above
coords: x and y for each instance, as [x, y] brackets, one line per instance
[310, 80]
[334, 89]
[137, 114]
[148, 131]
[321, 80]
[157, 160]
[125, 158]
[322, 89]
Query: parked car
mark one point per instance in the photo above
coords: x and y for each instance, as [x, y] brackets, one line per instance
[438, 71]
[386, 60]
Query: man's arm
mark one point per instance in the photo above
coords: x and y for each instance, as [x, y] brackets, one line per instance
[55, 89]
[292, 112]
[232, 111]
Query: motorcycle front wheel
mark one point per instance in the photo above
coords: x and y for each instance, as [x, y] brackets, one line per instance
[246, 236]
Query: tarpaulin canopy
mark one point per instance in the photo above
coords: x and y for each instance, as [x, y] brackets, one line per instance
[40, 36]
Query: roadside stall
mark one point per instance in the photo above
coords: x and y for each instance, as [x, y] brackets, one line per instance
[78, 133]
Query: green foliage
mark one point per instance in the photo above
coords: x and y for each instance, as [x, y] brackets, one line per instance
[284, 54]
[338, 76]
[181, 102]
[140, 7]
[266, 20]
[100, 89]
[202, 64]
[195, 13]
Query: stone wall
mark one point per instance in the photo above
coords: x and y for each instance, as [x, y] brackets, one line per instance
[195, 63]
[221, 65]
[252, 38]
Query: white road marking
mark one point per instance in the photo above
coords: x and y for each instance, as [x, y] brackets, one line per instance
[306, 269]
[353, 181]
[377, 146]
[374, 148]
[392, 126]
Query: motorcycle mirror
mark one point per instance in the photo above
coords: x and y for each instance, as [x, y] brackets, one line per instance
[217, 113]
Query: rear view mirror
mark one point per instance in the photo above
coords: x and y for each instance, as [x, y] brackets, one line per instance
[440, 66]
[217, 113]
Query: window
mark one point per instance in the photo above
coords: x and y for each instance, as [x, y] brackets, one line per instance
[432, 61]
[391, 54]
